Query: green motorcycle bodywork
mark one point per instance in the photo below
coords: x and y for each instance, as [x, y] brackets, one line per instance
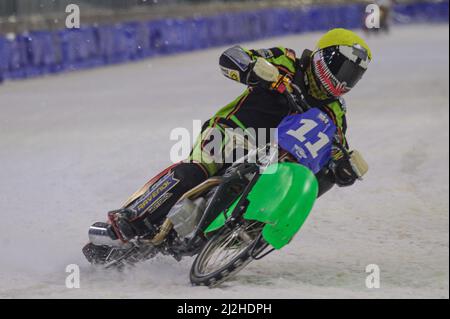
[282, 199]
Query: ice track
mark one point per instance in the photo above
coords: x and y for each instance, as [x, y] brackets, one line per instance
[76, 145]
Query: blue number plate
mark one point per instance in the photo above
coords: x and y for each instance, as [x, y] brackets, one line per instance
[309, 137]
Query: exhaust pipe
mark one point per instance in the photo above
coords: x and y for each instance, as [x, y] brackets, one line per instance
[102, 234]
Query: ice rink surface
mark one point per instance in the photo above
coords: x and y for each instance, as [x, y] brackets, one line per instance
[75, 146]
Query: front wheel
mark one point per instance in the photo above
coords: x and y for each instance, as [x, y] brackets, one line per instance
[227, 253]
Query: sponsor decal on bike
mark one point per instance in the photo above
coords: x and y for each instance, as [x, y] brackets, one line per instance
[324, 118]
[300, 152]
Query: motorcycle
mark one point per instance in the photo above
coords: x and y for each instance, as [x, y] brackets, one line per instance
[254, 208]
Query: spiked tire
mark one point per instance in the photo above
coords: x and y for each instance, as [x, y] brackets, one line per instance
[202, 275]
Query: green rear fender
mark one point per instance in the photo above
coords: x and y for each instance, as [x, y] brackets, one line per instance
[282, 199]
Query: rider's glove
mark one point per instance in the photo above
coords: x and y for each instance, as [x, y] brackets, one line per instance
[343, 173]
[348, 170]
[263, 74]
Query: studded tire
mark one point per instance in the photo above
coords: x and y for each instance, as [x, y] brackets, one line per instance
[216, 276]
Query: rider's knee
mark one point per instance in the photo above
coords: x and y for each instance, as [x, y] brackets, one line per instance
[191, 173]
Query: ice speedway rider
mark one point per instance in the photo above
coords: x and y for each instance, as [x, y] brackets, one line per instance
[323, 75]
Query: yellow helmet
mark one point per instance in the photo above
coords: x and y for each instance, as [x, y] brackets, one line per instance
[340, 60]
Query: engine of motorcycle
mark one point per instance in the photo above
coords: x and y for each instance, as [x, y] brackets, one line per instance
[186, 215]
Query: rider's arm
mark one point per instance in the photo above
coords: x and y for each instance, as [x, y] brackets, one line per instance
[337, 111]
[253, 67]
[342, 171]
[236, 63]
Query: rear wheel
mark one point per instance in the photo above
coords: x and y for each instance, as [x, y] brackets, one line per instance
[227, 253]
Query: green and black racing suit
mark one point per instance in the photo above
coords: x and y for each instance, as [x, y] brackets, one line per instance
[261, 108]
[257, 108]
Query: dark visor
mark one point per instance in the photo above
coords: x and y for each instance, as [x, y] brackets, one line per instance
[342, 68]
